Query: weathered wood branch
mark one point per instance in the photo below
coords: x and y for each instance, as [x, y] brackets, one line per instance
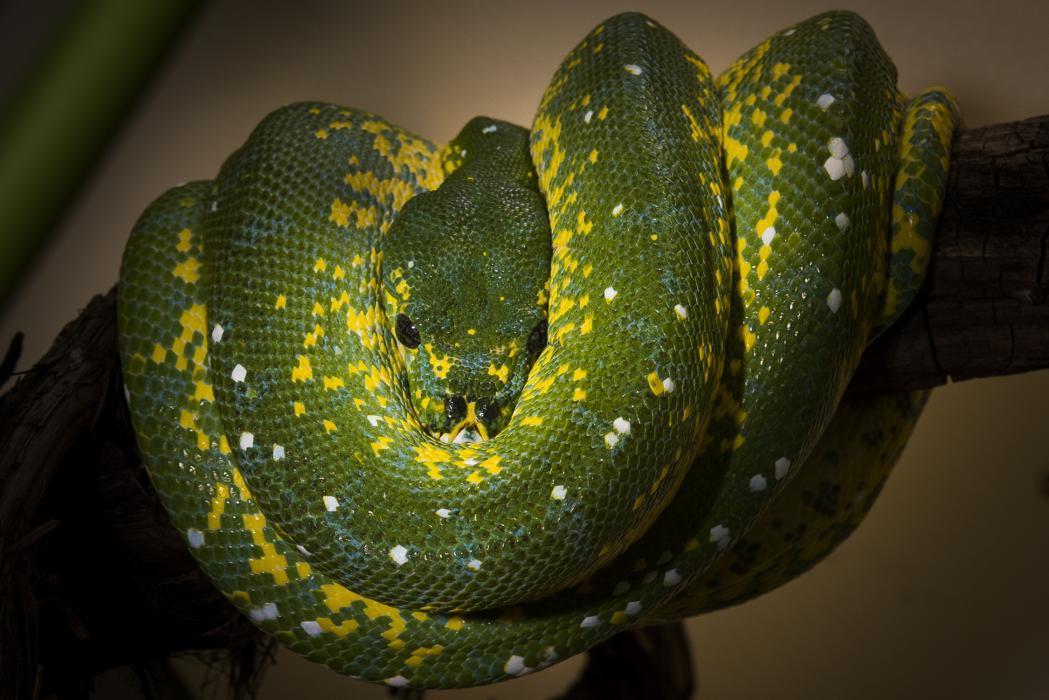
[983, 311]
[92, 575]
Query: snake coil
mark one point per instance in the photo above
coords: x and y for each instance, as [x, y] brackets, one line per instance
[671, 279]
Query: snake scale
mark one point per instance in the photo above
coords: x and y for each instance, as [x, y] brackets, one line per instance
[440, 416]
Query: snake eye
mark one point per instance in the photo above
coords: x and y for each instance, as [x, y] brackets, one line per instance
[406, 331]
[537, 341]
[487, 411]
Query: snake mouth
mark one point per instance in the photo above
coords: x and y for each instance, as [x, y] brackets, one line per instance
[466, 421]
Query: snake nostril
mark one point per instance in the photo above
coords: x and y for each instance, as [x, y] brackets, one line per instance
[454, 409]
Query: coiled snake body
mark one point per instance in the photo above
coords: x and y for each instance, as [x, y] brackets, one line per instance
[649, 305]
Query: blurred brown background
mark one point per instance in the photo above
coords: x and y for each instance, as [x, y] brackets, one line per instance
[944, 591]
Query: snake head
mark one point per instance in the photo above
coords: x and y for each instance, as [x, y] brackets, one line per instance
[466, 269]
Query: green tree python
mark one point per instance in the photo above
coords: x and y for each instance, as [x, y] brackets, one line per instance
[440, 416]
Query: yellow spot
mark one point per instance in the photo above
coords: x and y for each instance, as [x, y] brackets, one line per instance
[184, 237]
[532, 420]
[491, 465]
[603, 113]
[779, 70]
[332, 383]
[338, 597]
[757, 117]
[223, 445]
[471, 331]
[270, 562]
[455, 623]
[218, 506]
[320, 265]
[304, 371]
[329, 427]
[282, 301]
[774, 163]
[188, 271]
[303, 569]
[766, 138]
[203, 392]
[159, 353]
[321, 134]
[503, 372]
[588, 324]
[299, 407]
[655, 383]
[763, 315]
[340, 213]
[578, 394]
[784, 116]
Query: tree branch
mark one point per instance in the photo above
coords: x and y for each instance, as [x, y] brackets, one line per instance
[93, 576]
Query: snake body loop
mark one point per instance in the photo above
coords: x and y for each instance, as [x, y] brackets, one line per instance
[650, 304]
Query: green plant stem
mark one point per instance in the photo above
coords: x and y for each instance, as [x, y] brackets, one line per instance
[69, 104]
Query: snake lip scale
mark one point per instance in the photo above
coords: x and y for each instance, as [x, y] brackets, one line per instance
[438, 416]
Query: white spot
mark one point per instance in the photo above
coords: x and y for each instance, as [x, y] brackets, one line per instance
[617, 209]
[239, 373]
[215, 205]
[622, 425]
[396, 681]
[399, 554]
[462, 152]
[865, 178]
[466, 436]
[719, 534]
[474, 565]
[266, 612]
[671, 578]
[588, 116]
[331, 503]
[610, 293]
[589, 621]
[842, 220]
[491, 128]
[768, 235]
[834, 300]
[515, 666]
[849, 164]
[789, 32]
[834, 167]
[216, 333]
[621, 588]
[668, 385]
[246, 440]
[611, 439]
[825, 100]
[374, 420]
[311, 628]
[758, 483]
[443, 512]
[837, 147]
[445, 437]
[302, 550]
[633, 607]
[411, 264]
[782, 466]
[278, 452]
[195, 537]
[470, 462]
[632, 69]
[680, 311]
[558, 493]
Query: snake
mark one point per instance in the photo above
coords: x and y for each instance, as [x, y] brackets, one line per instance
[439, 416]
